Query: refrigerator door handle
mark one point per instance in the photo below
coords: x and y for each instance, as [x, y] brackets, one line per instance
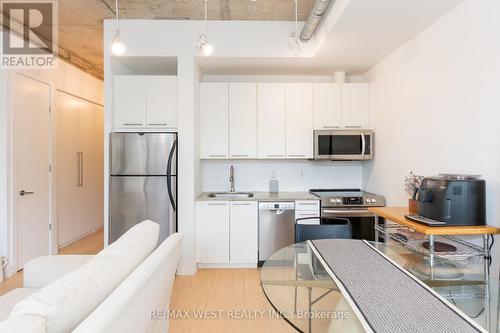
[169, 174]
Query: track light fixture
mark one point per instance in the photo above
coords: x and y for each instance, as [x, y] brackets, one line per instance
[117, 47]
[202, 43]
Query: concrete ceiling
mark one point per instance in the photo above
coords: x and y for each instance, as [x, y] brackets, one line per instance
[81, 21]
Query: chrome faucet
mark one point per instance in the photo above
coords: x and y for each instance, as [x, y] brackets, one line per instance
[231, 178]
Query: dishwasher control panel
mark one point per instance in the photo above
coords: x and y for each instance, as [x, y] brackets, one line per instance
[277, 205]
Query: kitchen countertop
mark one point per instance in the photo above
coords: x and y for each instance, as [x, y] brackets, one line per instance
[397, 214]
[263, 196]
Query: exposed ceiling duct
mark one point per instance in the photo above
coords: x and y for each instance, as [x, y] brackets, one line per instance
[314, 18]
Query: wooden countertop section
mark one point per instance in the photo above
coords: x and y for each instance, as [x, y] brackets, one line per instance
[397, 215]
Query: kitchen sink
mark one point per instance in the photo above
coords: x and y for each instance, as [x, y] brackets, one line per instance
[231, 195]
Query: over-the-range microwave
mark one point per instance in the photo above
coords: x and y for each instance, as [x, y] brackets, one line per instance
[343, 145]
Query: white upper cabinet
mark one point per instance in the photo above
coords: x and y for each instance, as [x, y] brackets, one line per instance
[145, 102]
[299, 120]
[356, 105]
[327, 106]
[161, 101]
[243, 120]
[271, 120]
[130, 101]
[214, 120]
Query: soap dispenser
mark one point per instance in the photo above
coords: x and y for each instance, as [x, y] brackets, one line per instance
[273, 183]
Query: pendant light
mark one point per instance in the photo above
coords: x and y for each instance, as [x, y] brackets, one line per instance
[293, 36]
[202, 42]
[117, 47]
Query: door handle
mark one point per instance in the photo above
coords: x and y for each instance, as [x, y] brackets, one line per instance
[78, 165]
[81, 169]
[363, 144]
[23, 192]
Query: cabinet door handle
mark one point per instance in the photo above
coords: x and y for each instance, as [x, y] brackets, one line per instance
[352, 126]
[295, 155]
[215, 155]
[157, 124]
[242, 204]
[81, 169]
[331, 126]
[217, 204]
[78, 169]
[133, 124]
[275, 155]
[239, 155]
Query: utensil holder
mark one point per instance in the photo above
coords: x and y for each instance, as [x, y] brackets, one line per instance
[413, 206]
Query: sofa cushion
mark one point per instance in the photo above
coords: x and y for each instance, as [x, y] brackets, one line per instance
[23, 324]
[9, 300]
[42, 271]
[68, 300]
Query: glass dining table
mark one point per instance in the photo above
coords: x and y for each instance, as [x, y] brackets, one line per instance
[303, 293]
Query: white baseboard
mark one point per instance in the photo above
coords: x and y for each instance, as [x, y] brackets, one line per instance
[187, 269]
[88, 233]
[230, 265]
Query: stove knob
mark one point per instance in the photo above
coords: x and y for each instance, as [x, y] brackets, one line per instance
[374, 200]
[338, 201]
[332, 201]
[368, 200]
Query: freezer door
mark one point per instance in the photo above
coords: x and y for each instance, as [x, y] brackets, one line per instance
[141, 154]
[135, 199]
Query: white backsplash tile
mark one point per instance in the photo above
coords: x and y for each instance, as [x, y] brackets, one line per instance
[292, 175]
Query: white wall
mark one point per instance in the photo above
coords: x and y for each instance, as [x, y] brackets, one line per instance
[66, 78]
[436, 105]
[292, 175]
[161, 38]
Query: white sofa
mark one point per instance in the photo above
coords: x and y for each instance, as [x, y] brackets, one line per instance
[113, 291]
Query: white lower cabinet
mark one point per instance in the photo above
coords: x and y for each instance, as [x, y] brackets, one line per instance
[307, 211]
[227, 232]
[213, 232]
[243, 232]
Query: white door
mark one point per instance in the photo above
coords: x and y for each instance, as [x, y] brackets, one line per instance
[327, 106]
[32, 152]
[67, 167]
[271, 120]
[161, 101]
[213, 232]
[130, 101]
[214, 120]
[91, 170]
[243, 232]
[299, 120]
[243, 120]
[356, 105]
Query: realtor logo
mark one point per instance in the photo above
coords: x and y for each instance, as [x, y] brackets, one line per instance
[29, 34]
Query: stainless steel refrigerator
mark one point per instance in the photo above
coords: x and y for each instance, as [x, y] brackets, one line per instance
[143, 182]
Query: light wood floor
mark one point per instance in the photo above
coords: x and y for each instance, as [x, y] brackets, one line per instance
[90, 244]
[210, 289]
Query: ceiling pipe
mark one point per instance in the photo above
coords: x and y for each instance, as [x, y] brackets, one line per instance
[314, 18]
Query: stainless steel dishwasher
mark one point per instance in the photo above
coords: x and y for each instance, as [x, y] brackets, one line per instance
[276, 227]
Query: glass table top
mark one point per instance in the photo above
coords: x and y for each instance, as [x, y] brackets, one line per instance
[303, 293]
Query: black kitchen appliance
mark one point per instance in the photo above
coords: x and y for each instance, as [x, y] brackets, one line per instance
[451, 200]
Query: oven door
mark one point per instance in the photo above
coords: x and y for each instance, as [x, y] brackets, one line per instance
[344, 145]
[362, 221]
